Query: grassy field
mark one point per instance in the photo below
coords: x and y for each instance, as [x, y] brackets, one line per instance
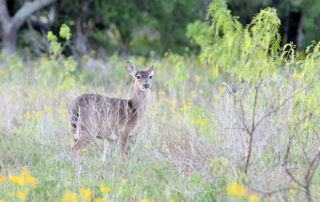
[191, 146]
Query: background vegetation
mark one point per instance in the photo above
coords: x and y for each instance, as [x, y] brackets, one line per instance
[233, 115]
[140, 27]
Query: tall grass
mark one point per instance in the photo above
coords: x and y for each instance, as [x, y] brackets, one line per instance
[191, 146]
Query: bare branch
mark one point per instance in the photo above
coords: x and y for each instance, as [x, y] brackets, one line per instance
[253, 125]
[275, 191]
[308, 177]
[284, 102]
[242, 114]
[255, 104]
[287, 155]
[27, 9]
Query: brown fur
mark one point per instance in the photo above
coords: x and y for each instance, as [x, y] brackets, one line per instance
[94, 115]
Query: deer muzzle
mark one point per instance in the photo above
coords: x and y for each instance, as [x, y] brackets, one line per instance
[146, 85]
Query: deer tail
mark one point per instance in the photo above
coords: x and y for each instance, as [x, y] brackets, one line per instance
[74, 123]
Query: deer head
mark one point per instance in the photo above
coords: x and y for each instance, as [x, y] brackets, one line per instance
[143, 79]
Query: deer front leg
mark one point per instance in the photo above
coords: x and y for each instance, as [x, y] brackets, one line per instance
[123, 148]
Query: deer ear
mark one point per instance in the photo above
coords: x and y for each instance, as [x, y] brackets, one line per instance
[131, 68]
[151, 68]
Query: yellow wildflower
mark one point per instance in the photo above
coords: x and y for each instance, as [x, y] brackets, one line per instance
[28, 179]
[183, 87]
[198, 78]
[254, 197]
[85, 194]
[236, 189]
[176, 140]
[100, 200]
[2, 179]
[185, 107]
[104, 188]
[48, 108]
[21, 195]
[16, 179]
[145, 200]
[85, 56]
[146, 146]
[69, 196]
[291, 191]
[2, 200]
[84, 87]
[83, 150]
[24, 169]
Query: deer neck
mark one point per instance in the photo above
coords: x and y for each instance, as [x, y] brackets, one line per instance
[140, 101]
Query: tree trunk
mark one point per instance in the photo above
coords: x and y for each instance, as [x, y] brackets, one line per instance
[11, 24]
[80, 41]
[9, 38]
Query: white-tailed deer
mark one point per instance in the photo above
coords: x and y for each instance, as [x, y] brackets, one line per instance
[96, 116]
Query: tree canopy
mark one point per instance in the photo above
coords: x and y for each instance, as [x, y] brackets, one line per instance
[142, 27]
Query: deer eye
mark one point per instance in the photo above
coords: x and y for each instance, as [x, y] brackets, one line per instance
[150, 77]
[138, 77]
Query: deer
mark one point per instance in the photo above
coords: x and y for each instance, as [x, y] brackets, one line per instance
[97, 116]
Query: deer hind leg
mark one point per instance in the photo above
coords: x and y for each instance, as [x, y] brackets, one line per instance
[107, 145]
[84, 140]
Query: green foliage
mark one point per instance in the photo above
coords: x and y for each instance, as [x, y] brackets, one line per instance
[252, 55]
[56, 69]
[14, 62]
[179, 73]
[55, 46]
[199, 120]
[168, 21]
[243, 51]
[65, 32]
[141, 26]
[51, 36]
[200, 33]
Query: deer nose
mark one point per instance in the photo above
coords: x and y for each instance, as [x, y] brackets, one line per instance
[146, 85]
